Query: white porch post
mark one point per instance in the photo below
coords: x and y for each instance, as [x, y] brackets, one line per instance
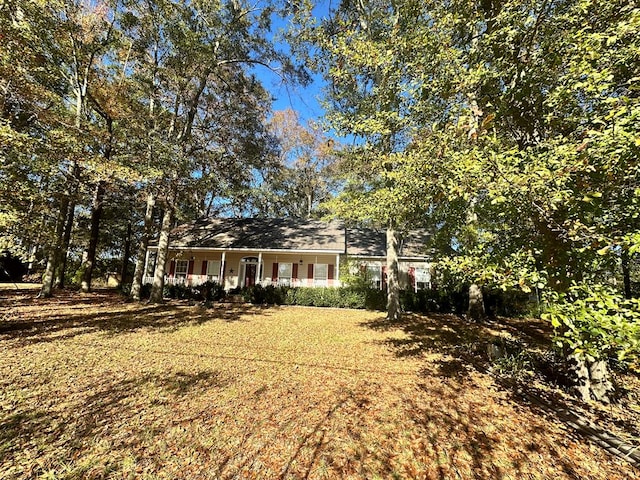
[337, 279]
[259, 268]
[221, 276]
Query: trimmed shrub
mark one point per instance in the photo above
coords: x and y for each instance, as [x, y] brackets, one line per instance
[431, 301]
[344, 297]
[210, 291]
[180, 292]
[269, 295]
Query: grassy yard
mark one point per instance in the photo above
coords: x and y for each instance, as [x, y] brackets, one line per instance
[94, 387]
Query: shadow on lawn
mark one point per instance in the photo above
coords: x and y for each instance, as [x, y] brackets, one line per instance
[107, 312]
[465, 347]
[113, 412]
[465, 341]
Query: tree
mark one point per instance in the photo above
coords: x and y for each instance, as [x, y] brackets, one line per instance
[34, 143]
[299, 180]
[192, 58]
[552, 111]
[370, 53]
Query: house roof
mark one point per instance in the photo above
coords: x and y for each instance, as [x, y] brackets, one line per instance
[367, 242]
[257, 233]
[292, 234]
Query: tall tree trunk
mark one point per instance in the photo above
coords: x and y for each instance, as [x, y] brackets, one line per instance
[138, 274]
[157, 288]
[626, 272]
[74, 176]
[124, 270]
[66, 241]
[393, 285]
[53, 256]
[89, 258]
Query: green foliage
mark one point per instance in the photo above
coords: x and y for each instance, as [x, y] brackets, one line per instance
[299, 179]
[210, 291]
[513, 359]
[595, 321]
[444, 300]
[343, 297]
[517, 271]
[179, 292]
[269, 295]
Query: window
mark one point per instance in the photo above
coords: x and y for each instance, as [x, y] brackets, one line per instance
[213, 270]
[181, 268]
[320, 273]
[284, 273]
[423, 278]
[374, 276]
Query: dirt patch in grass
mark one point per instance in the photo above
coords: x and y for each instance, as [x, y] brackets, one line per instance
[95, 387]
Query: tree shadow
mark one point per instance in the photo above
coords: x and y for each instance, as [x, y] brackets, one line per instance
[74, 314]
[86, 418]
[464, 347]
[467, 342]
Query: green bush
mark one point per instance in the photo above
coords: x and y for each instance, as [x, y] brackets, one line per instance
[210, 291]
[342, 297]
[510, 358]
[596, 321]
[180, 292]
[431, 301]
[269, 295]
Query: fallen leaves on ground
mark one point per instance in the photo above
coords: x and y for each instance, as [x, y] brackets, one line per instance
[95, 387]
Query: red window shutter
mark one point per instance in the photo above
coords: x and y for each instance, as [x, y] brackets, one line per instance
[204, 268]
[294, 272]
[412, 276]
[330, 272]
[310, 271]
[274, 272]
[384, 276]
[172, 268]
[190, 267]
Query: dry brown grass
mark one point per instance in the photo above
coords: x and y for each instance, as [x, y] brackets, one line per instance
[93, 387]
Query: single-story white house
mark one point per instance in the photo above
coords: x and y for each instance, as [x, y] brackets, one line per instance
[242, 252]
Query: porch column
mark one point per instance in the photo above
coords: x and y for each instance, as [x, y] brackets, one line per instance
[336, 282]
[259, 268]
[222, 265]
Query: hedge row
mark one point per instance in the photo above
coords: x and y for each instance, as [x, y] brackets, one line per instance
[207, 292]
[422, 301]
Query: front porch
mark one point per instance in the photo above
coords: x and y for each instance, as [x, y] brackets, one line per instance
[246, 268]
[196, 280]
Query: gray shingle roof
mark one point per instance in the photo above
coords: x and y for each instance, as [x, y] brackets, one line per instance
[292, 234]
[368, 242]
[256, 233]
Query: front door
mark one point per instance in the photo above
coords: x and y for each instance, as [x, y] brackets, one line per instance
[250, 274]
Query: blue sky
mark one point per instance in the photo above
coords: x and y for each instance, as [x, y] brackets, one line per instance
[304, 100]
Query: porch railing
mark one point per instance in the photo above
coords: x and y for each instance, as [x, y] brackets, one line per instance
[195, 280]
